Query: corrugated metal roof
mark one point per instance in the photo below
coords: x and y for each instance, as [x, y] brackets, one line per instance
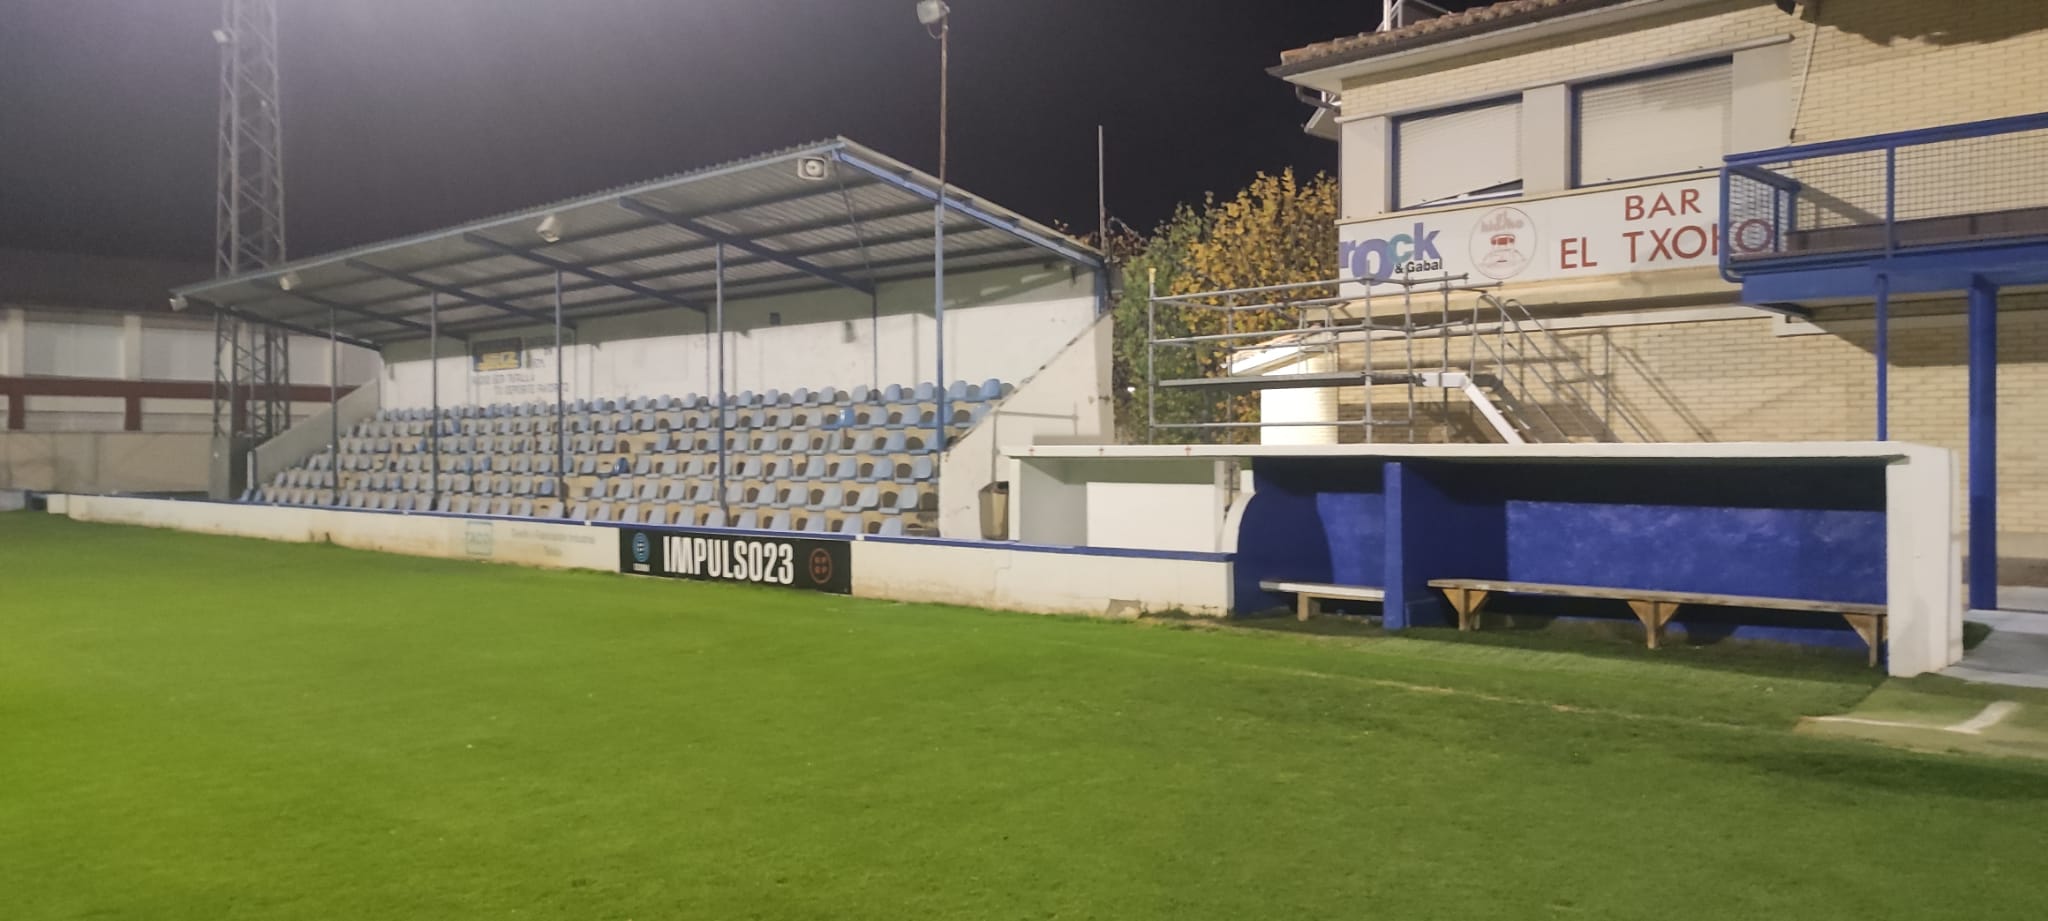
[867, 219]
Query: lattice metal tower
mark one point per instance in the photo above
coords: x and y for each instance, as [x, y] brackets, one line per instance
[252, 376]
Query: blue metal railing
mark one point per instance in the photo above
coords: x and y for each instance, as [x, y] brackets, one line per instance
[1868, 198]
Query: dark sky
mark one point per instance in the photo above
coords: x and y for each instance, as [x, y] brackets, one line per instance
[406, 115]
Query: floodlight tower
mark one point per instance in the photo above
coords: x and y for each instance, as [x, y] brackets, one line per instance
[252, 371]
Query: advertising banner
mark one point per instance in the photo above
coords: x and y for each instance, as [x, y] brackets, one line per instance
[721, 556]
[1641, 229]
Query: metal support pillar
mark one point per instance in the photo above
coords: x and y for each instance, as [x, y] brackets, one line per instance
[718, 314]
[333, 412]
[561, 430]
[939, 311]
[1983, 463]
[1884, 356]
[434, 384]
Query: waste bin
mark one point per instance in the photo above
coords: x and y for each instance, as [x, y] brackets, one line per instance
[995, 511]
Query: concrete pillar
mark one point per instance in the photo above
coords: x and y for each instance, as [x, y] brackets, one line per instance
[13, 342]
[1547, 139]
[1364, 169]
[131, 347]
[1762, 102]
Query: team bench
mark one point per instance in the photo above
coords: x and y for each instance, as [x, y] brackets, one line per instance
[1655, 608]
[1308, 594]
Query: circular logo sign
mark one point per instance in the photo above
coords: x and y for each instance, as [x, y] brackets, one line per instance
[1503, 243]
[642, 548]
[821, 566]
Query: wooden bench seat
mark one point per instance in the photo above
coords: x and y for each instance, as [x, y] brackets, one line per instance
[1655, 608]
[1307, 594]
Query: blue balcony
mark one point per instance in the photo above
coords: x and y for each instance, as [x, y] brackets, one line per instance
[1959, 208]
[1931, 210]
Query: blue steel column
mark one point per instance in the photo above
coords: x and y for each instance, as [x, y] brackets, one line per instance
[1884, 356]
[1983, 445]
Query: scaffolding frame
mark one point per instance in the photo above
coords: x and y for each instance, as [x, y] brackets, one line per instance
[1525, 379]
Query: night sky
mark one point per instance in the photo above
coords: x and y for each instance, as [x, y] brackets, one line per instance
[407, 115]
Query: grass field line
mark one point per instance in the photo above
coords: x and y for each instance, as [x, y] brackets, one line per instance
[1434, 690]
[1992, 714]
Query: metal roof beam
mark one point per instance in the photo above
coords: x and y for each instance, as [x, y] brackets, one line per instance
[1008, 225]
[595, 309]
[746, 246]
[457, 293]
[964, 228]
[358, 311]
[577, 270]
[294, 327]
[663, 252]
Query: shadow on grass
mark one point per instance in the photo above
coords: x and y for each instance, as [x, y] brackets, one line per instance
[1521, 628]
[1859, 770]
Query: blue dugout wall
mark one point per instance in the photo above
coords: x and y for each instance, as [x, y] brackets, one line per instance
[1809, 530]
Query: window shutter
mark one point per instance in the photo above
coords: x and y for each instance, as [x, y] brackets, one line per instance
[1649, 126]
[1454, 154]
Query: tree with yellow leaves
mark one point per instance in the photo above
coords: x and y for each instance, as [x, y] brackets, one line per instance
[1277, 230]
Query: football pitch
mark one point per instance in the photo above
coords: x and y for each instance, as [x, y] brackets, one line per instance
[197, 727]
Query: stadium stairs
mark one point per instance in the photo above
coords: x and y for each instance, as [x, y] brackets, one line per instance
[825, 461]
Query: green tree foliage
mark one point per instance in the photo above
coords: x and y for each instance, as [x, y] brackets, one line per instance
[1277, 230]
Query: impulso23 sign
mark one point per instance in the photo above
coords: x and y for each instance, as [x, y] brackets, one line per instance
[713, 556]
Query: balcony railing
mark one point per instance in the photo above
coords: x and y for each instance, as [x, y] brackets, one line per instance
[1870, 198]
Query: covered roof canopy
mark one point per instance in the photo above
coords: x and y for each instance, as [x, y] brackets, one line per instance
[826, 215]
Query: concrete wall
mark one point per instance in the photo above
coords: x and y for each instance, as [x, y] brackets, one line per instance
[993, 576]
[1065, 402]
[312, 434]
[104, 461]
[1004, 324]
[112, 345]
[1490, 511]
[1176, 504]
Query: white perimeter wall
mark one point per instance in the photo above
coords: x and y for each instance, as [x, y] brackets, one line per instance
[992, 577]
[1003, 323]
[1065, 402]
[105, 461]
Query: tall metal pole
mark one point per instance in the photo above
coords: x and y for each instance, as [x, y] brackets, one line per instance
[561, 429]
[1101, 192]
[434, 377]
[718, 311]
[939, 244]
[249, 223]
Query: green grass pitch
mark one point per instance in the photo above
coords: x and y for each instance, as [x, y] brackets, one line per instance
[208, 728]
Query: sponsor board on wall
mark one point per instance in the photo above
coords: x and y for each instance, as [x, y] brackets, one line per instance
[1641, 229]
[718, 556]
[513, 368]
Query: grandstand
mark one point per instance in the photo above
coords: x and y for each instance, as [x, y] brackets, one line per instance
[829, 385]
[828, 460]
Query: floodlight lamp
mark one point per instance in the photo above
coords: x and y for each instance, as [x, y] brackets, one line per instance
[221, 37]
[288, 281]
[932, 12]
[178, 302]
[550, 229]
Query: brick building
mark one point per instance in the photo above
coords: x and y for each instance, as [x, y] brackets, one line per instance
[1571, 150]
